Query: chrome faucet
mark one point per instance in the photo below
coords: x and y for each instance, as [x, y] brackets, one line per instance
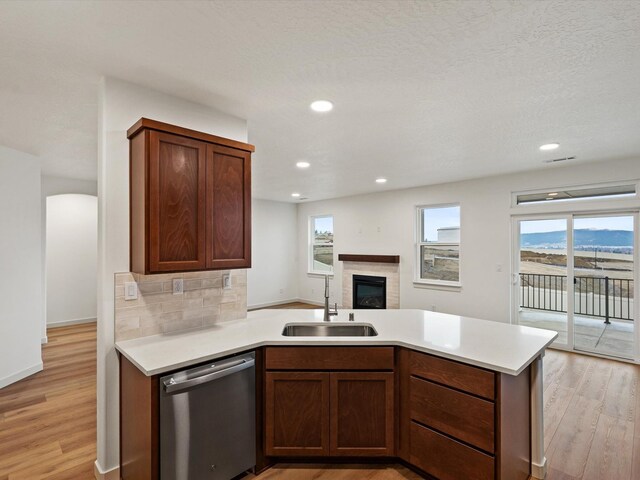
[327, 312]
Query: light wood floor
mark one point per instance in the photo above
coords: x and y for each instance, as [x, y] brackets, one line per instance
[337, 472]
[592, 418]
[299, 305]
[47, 422]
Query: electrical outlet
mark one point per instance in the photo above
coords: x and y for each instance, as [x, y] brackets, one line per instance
[226, 281]
[433, 308]
[282, 291]
[178, 286]
[130, 290]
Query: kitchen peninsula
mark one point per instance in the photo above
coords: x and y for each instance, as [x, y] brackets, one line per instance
[450, 396]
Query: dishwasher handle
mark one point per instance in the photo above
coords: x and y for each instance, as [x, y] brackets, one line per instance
[173, 387]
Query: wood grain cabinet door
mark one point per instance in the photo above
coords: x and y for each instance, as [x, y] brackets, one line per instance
[176, 227]
[228, 208]
[297, 413]
[362, 413]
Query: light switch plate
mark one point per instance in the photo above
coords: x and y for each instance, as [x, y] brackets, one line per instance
[226, 281]
[130, 291]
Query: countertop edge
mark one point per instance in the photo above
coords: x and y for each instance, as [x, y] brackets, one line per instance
[323, 342]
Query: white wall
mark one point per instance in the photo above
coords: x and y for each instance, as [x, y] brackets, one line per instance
[71, 258]
[274, 248]
[57, 186]
[383, 223]
[20, 264]
[60, 185]
[121, 105]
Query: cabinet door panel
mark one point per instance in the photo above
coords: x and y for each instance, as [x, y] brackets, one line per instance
[329, 358]
[462, 416]
[362, 413]
[446, 459]
[176, 203]
[297, 413]
[228, 208]
[477, 381]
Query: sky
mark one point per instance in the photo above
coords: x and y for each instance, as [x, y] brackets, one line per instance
[324, 224]
[598, 223]
[435, 218]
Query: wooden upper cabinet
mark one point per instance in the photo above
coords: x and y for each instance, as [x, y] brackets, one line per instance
[228, 207]
[176, 203]
[190, 200]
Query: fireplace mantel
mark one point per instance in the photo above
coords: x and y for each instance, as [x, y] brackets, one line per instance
[352, 257]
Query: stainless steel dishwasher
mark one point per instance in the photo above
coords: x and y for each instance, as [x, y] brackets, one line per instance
[207, 421]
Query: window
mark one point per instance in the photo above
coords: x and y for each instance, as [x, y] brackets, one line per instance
[594, 192]
[321, 244]
[438, 244]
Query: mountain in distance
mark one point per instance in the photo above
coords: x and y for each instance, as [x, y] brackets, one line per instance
[582, 237]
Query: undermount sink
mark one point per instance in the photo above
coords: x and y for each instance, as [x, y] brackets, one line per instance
[329, 330]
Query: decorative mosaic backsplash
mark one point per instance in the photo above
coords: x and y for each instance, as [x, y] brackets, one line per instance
[157, 310]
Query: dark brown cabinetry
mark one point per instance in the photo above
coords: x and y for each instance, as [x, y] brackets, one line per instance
[459, 421]
[190, 200]
[297, 413]
[447, 419]
[328, 412]
[139, 424]
[362, 415]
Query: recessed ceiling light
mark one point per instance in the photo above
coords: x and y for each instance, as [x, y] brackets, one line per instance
[553, 194]
[381, 180]
[295, 194]
[549, 146]
[303, 164]
[322, 106]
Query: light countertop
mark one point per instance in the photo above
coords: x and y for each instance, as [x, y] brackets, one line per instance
[493, 345]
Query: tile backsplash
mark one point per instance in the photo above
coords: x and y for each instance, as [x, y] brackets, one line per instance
[157, 310]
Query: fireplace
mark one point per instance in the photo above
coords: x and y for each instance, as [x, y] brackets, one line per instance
[369, 292]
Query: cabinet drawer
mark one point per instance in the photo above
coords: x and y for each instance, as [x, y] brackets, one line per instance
[462, 416]
[447, 459]
[329, 358]
[453, 374]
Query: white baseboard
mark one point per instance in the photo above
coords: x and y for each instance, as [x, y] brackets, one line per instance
[271, 304]
[312, 302]
[539, 472]
[100, 474]
[66, 323]
[44, 340]
[20, 375]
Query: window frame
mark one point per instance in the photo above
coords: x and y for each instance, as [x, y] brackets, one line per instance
[419, 243]
[311, 243]
[576, 201]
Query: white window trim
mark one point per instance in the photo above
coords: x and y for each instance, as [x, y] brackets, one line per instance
[310, 244]
[431, 283]
[580, 201]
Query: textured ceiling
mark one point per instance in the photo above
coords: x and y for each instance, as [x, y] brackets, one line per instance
[425, 92]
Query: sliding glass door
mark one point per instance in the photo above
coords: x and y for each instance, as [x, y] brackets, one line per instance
[575, 274]
[542, 276]
[603, 251]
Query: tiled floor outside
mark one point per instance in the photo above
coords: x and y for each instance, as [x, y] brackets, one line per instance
[591, 333]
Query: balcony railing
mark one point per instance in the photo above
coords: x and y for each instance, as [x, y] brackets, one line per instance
[593, 296]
